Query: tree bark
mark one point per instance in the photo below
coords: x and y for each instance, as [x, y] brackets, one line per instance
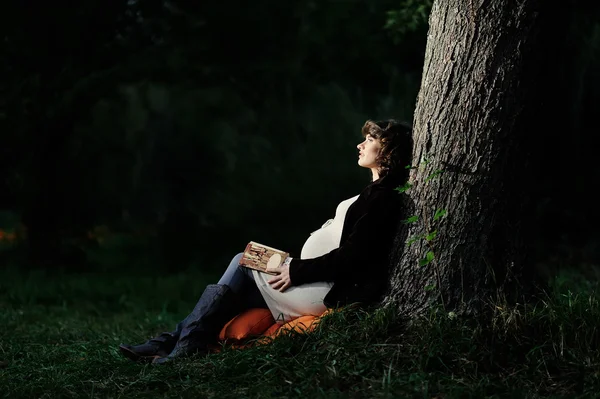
[471, 125]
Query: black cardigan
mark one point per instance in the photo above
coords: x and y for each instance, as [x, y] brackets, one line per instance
[359, 267]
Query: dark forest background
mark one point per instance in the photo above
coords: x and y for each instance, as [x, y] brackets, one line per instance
[164, 135]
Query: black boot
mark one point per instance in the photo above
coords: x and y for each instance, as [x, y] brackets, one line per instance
[156, 347]
[217, 305]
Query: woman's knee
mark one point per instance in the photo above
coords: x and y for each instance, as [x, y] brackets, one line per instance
[232, 274]
[236, 259]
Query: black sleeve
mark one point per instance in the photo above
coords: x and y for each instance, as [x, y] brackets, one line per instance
[368, 243]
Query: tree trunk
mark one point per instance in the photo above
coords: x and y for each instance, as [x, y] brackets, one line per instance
[470, 124]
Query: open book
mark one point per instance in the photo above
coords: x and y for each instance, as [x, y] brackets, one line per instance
[262, 258]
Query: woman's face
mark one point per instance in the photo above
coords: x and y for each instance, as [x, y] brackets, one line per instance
[368, 151]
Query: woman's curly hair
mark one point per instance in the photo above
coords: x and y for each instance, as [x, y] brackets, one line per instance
[396, 144]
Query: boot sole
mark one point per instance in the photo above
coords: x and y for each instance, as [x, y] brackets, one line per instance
[131, 355]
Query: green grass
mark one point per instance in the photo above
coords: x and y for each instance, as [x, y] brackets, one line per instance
[60, 334]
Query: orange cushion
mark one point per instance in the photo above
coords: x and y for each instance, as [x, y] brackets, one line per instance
[260, 323]
[301, 324]
[251, 323]
[271, 331]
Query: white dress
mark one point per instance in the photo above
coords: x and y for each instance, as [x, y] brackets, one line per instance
[306, 299]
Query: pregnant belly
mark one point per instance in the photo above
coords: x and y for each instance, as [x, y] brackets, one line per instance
[321, 242]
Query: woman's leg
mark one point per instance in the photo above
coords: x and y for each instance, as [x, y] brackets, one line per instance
[235, 292]
[236, 285]
[241, 281]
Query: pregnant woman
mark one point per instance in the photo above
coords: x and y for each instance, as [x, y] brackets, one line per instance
[345, 261]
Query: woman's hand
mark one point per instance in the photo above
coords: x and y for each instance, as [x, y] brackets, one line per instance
[282, 280]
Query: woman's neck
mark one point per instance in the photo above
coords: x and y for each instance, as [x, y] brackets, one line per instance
[375, 172]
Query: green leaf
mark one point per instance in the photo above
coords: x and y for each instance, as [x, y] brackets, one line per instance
[435, 174]
[414, 239]
[411, 219]
[439, 214]
[430, 287]
[431, 235]
[403, 188]
[427, 259]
